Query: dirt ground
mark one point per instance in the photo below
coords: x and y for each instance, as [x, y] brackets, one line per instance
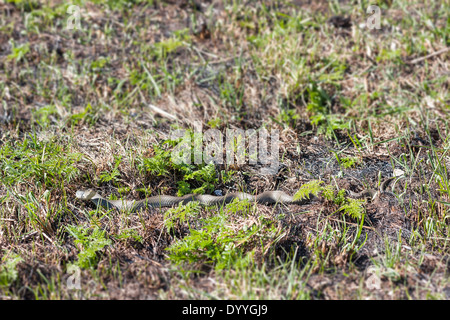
[96, 108]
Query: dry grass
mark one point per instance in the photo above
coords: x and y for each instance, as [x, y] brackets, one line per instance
[93, 108]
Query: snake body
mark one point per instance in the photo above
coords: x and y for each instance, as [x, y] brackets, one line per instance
[267, 197]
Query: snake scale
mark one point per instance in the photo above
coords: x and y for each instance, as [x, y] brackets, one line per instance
[267, 197]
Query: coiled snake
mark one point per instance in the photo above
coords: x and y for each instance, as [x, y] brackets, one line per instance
[267, 197]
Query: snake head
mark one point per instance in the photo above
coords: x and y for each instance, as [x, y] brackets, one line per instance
[85, 194]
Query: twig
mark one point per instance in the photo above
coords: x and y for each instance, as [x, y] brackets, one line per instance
[354, 224]
[209, 62]
[429, 56]
[25, 237]
[48, 238]
[162, 112]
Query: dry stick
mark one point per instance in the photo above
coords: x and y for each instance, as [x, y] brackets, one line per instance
[25, 237]
[429, 56]
[353, 224]
[162, 112]
[48, 238]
